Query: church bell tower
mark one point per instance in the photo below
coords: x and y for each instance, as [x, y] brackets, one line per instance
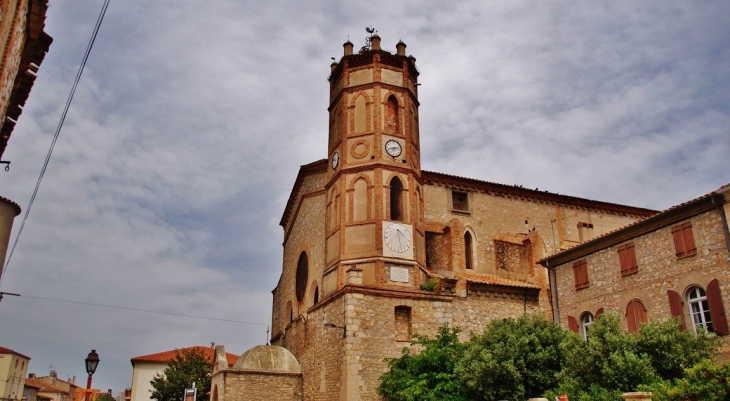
[374, 222]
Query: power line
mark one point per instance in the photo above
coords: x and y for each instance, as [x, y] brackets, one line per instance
[58, 131]
[144, 310]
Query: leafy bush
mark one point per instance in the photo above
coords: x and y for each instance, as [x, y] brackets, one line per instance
[513, 359]
[705, 381]
[428, 375]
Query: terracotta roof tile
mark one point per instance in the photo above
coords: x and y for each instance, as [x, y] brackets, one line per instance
[44, 387]
[494, 280]
[657, 216]
[4, 350]
[167, 356]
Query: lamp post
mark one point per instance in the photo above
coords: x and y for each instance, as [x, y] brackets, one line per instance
[92, 361]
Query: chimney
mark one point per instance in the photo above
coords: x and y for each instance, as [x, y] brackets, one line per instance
[375, 42]
[53, 373]
[31, 375]
[401, 48]
[348, 48]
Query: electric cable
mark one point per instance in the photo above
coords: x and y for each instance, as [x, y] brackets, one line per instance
[55, 135]
[144, 310]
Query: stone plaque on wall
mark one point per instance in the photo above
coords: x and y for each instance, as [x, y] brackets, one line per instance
[399, 274]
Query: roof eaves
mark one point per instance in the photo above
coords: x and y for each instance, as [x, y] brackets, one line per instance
[670, 216]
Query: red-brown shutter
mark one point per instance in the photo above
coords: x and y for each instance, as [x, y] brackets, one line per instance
[630, 318]
[622, 259]
[717, 309]
[675, 306]
[580, 274]
[572, 324]
[631, 255]
[689, 241]
[678, 241]
[599, 312]
[635, 315]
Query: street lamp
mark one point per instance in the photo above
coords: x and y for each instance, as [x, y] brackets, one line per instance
[92, 361]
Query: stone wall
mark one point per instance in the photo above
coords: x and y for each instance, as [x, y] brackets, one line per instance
[659, 270]
[260, 386]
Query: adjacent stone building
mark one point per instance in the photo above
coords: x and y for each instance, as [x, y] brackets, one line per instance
[376, 250]
[674, 264]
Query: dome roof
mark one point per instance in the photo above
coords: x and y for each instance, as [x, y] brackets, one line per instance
[268, 358]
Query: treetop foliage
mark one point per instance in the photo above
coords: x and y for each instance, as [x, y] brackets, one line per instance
[189, 366]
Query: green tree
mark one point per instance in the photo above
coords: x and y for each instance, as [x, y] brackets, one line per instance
[104, 397]
[672, 351]
[705, 381]
[427, 375]
[513, 359]
[188, 366]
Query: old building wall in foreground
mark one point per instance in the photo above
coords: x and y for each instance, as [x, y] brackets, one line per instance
[658, 285]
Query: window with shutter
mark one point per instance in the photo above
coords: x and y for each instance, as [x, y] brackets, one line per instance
[635, 315]
[580, 274]
[460, 201]
[699, 309]
[627, 258]
[586, 319]
[684, 242]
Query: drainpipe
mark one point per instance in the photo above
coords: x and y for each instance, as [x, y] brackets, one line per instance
[724, 222]
[553, 281]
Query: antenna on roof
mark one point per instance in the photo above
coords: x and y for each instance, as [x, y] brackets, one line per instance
[267, 335]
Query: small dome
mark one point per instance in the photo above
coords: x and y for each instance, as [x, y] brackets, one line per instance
[268, 358]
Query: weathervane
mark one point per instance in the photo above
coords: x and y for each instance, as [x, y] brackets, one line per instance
[368, 39]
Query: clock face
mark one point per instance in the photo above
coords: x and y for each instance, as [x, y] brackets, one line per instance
[397, 237]
[335, 160]
[393, 148]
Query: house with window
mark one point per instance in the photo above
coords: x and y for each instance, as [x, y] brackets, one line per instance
[13, 367]
[675, 264]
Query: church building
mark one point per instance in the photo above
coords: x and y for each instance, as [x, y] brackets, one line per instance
[376, 250]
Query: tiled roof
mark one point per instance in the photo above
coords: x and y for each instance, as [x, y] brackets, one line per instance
[167, 356]
[494, 280]
[35, 383]
[543, 196]
[44, 387]
[650, 223]
[4, 350]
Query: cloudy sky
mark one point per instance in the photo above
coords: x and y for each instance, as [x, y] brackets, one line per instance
[191, 120]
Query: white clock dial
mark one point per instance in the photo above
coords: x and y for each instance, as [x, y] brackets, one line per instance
[397, 237]
[393, 148]
[335, 160]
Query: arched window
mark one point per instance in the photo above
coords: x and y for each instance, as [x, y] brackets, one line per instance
[360, 199]
[290, 311]
[316, 296]
[391, 118]
[403, 323]
[302, 275]
[215, 393]
[396, 201]
[468, 250]
[586, 319]
[635, 315]
[699, 309]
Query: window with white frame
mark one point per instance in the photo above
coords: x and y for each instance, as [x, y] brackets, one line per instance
[585, 321]
[699, 309]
